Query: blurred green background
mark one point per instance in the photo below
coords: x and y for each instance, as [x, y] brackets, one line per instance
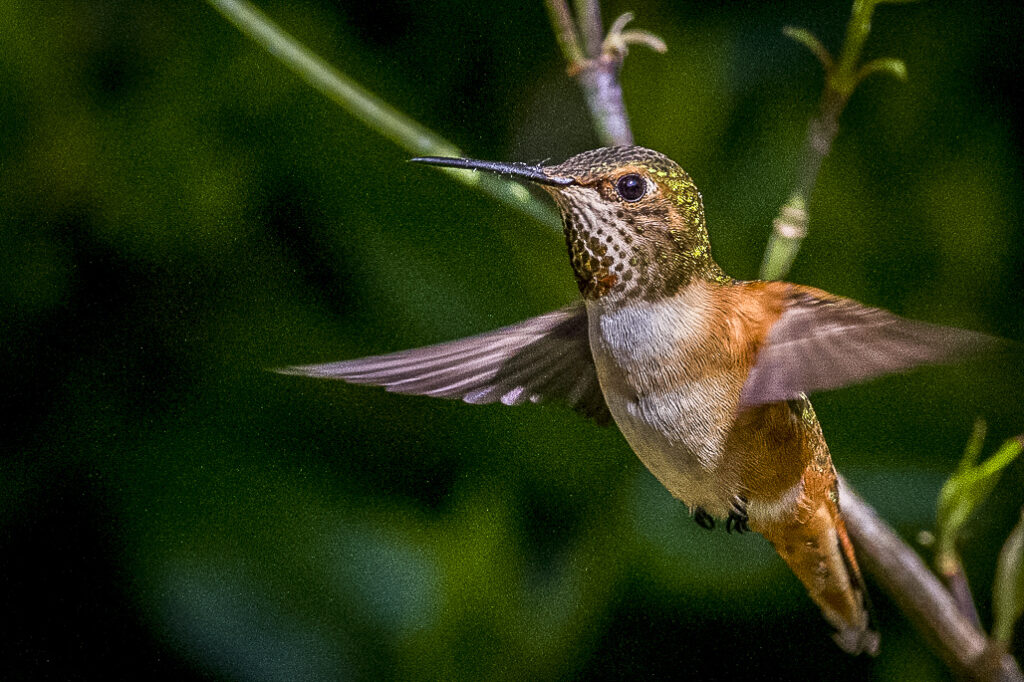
[180, 213]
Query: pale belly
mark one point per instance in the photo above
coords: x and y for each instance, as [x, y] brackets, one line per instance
[677, 427]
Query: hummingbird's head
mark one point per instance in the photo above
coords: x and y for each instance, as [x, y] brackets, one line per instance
[633, 219]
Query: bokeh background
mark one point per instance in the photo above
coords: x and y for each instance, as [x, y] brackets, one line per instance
[179, 213]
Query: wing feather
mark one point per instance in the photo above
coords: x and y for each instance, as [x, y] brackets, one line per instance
[821, 342]
[543, 358]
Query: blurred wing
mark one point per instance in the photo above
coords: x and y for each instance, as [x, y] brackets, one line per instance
[822, 341]
[542, 358]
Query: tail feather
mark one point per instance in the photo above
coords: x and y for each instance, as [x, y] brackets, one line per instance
[819, 552]
[868, 640]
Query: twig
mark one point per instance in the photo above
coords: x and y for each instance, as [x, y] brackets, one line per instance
[920, 595]
[371, 110]
[589, 14]
[596, 63]
[960, 590]
[565, 30]
[790, 226]
[841, 78]
[893, 563]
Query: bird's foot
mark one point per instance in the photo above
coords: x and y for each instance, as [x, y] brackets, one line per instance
[703, 519]
[737, 516]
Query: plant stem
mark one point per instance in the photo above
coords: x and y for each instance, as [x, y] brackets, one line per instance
[595, 66]
[1008, 588]
[920, 595]
[790, 226]
[600, 83]
[960, 590]
[372, 111]
[565, 30]
[589, 14]
[841, 78]
[599, 75]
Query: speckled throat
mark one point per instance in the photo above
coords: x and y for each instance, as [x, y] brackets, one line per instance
[647, 248]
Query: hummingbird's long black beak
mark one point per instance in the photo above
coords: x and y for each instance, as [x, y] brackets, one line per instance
[520, 171]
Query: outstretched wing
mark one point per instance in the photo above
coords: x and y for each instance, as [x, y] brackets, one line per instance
[542, 358]
[822, 342]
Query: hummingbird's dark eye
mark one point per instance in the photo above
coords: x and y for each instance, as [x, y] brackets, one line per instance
[631, 187]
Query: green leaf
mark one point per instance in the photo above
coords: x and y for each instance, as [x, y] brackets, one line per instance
[973, 449]
[1008, 590]
[968, 488]
[890, 65]
[811, 42]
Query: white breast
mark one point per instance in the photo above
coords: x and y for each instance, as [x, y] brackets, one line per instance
[677, 427]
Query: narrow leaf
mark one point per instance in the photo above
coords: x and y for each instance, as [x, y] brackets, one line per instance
[973, 449]
[968, 488]
[890, 65]
[811, 42]
[1008, 590]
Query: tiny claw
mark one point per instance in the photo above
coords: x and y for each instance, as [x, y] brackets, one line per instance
[737, 523]
[738, 516]
[703, 519]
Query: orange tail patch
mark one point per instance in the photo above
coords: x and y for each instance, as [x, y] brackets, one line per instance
[818, 550]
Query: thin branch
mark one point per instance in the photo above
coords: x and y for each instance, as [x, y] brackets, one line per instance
[371, 110]
[600, 82]
[960, 590]
[565, 31]
[920, 595]
[790, 227]
[841, 78]
[893, 563]
[954, 509]
[597, 68]
[589, 14]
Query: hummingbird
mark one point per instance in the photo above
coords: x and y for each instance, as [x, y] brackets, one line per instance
[705, 375]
